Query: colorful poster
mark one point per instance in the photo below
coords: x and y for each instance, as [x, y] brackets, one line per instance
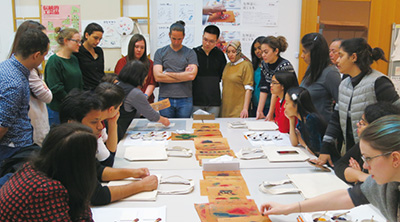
[63, 16]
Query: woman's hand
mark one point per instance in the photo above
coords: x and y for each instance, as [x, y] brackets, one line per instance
[354, 164]
[244, 113]
[260, 115]
[273, 208]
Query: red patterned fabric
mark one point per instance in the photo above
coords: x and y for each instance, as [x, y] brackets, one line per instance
[29, 195]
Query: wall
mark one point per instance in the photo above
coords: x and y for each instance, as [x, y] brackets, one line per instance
[6, 28]
[288, 25]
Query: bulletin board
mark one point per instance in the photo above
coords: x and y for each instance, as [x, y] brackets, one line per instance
[394, 57]
[247, 19]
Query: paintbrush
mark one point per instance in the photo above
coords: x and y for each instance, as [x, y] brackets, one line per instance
[317, 219]
[337, 216]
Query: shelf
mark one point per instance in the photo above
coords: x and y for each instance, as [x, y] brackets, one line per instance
[343, 25]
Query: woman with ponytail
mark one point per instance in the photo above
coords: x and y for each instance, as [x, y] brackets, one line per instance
[62, 72]
[271, 48]
[366, 86]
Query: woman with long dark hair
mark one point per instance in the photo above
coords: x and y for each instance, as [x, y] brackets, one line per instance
[311, 127]
[321, 79]
[137, 51]
[131, 79]
[91, 56]
[58, 183]
[364, 87]
[271, 48]
[281, 82]
[256, 59]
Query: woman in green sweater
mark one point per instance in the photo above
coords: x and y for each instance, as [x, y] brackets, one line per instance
[62, 72]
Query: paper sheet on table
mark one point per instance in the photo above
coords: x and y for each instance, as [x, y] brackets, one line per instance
[285, 154]
[261, 125]
[314, 184]
[129, 214]
[143, 196]
[141, 153]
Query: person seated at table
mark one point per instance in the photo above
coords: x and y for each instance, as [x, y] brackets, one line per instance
[281, 82]
[380, 150]
[349, 167]
[58, 183]
[237, 83]
[311, 127]
[131, 79]
[111, 97]
[85, 108]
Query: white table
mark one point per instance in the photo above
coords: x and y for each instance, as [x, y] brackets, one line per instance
[181, 207]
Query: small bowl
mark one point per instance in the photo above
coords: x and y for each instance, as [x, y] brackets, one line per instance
[323, 218]
[343, 218]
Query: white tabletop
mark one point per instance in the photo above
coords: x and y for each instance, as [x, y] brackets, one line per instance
[181, 207]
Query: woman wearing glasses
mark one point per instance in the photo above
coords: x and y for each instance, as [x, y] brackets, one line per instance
[349, 167]
[380, 151]
[364, 87]
[62, 72]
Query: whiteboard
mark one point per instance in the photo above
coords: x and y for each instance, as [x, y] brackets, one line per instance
[288, 20]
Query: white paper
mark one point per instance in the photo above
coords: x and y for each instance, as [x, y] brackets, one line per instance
[262, 12]
[185, 12]
[106, 214]
[165, 13]
[111, 38]
[261, 125]
[125, 39]
[396, 82]
[142, 196]
[188, 41]
[160, 125]
[396, 51]
[273, 154]
[314, 184]
[162, 36]
[141, 153]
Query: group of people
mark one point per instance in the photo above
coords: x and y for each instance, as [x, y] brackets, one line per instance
[340, 100]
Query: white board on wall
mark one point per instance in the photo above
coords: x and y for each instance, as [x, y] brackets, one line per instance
[283, 18]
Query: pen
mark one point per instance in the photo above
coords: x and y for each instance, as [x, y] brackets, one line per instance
[245, 137]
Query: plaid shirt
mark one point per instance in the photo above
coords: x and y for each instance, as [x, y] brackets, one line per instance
[14, 104]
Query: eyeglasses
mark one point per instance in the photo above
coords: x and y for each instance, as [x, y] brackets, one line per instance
[362, 122]
[368, 159]
[75, 40]
[275, 83]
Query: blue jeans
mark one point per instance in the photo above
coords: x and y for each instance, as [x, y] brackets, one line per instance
[54, 117]
[6, 152]
[180, 107]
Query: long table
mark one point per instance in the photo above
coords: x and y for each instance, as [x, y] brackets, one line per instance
[181, 207]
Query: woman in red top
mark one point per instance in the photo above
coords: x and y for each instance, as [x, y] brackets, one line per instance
[137, 51]
[280, 83]
[58, 183]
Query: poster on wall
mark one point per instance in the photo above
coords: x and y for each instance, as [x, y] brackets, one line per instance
[240, 12]
[63, 16]
[168, 13]
[111, 35]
